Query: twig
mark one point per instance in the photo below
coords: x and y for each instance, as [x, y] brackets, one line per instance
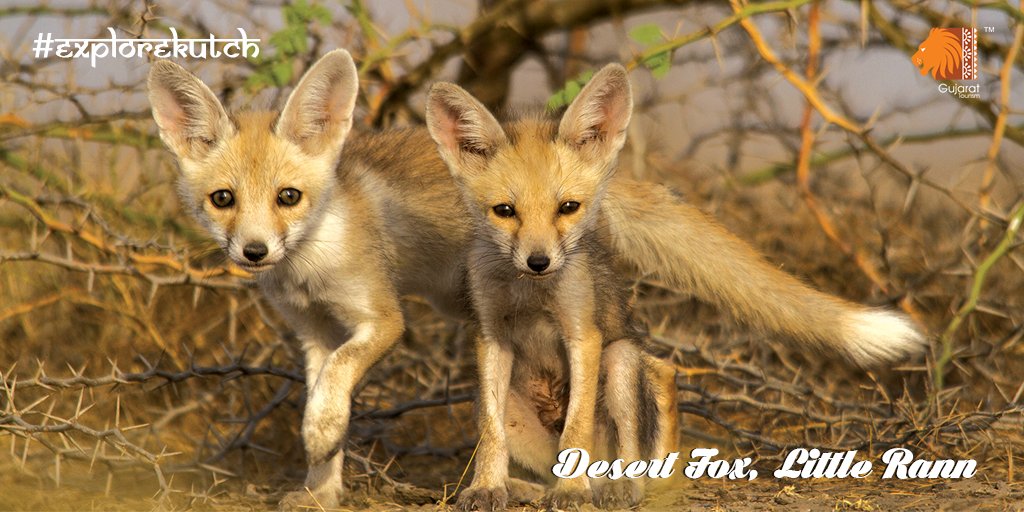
[978, 282]
[999, 129]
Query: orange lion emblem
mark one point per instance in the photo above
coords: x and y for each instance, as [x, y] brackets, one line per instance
[942, 53]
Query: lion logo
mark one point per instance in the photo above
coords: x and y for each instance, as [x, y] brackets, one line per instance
[943, 53]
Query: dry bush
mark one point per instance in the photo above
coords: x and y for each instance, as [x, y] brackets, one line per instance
[136, 364]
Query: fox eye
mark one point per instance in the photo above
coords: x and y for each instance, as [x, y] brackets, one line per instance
[568, 207]
[289, 197]
[222, 198]
[504, 210]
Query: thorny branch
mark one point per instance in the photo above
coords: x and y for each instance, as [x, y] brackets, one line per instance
[94, 269]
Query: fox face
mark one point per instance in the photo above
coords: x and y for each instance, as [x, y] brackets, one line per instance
[255, 193]
[258, 182]
[534, 186]
[534, 199]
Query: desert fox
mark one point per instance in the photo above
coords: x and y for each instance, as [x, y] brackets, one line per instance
[335, 238]
[555, 336]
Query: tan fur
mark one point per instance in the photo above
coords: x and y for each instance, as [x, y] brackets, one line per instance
[560, 324]
[382, 219]
[367, 225]
[534, 168]
[685, 247]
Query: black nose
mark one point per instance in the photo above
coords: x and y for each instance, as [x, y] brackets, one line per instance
[538, 262]
[254, 251]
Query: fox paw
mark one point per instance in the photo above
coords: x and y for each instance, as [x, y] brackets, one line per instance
[523, 492]
[305, 500]
[566, 499]
[619, 494]
[483, 499]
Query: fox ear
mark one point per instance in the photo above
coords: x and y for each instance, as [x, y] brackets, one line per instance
[190, 117]
[318, 115]
[465, 131]
[595, 123]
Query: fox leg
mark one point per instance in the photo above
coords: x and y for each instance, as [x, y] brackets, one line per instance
[641, 404]
[630, 411]
[328, 406]
[584, 355]
[323, 480]
[489, 489]
[583, 343]
[663, 389]
[332, 372]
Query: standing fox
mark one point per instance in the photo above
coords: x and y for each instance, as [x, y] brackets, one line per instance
[335, 238]
[547, 298]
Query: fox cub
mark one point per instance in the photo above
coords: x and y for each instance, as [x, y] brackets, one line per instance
[333, 238]
[560, 359]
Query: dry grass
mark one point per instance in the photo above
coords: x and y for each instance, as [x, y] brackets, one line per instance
[138, 371]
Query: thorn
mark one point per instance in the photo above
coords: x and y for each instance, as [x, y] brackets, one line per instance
[152, 294]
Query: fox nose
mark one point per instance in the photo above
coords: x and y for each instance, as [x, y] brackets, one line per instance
[538, 262]
[255, 251]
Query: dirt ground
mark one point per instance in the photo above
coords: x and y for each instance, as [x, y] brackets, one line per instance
[428, 481]
[140, 371]
[772, 494]
[978, 493]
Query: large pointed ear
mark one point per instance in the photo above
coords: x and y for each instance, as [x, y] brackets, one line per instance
[595, 123]
[465, 131]
[191, 118]
[318, 114]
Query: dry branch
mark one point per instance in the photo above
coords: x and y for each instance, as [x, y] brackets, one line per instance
[93, 262]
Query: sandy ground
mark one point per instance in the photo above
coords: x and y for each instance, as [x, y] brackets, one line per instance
[771, 494]
[21, 492]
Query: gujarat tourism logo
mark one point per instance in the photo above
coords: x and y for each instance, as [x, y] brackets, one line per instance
[951, 54]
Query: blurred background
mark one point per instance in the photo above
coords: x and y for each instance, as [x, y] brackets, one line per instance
[140, 370]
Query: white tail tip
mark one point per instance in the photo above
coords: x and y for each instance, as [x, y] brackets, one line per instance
[875, 336]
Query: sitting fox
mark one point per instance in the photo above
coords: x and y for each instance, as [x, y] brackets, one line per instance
[336, 228]
[551, 309]
[555, 337]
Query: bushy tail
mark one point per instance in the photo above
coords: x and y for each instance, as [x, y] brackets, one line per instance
[660, 235]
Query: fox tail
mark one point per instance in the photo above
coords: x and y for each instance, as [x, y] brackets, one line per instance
[660, 235]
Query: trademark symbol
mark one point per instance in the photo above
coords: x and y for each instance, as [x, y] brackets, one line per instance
[989, 29]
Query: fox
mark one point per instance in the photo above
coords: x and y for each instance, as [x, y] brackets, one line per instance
[336, 225]
[333, 239]
[555, 334]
